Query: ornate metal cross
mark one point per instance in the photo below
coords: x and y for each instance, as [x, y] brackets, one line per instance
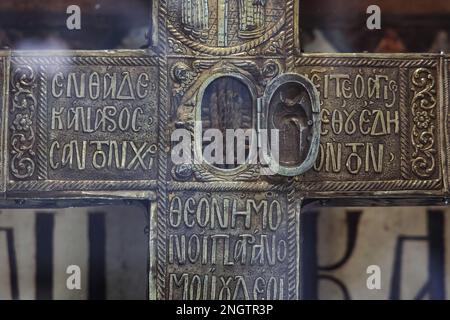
[86, 126]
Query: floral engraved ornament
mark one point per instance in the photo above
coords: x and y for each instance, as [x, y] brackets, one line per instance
[21, 131]
[423, 132]
[422, 119]
[22, 122]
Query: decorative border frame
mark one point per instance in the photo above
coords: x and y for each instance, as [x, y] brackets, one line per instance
[445, 88]
[159, 283]
[21, 121]
[82, 185]
[293, 236]
[4, 107]
[37, 154]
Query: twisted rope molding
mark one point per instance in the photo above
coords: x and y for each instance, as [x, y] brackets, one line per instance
[364, 62]
[446, 111]
[292, 241]
[161, 225]
[290, 41]
[225, 187]
[145, 185]
[84, 185]
[358, 186]
[404, 123]
[87, 61]
[42, 154]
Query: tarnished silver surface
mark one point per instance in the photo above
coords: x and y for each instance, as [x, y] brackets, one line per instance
[79, 126]
[231, 246]
[82, 116]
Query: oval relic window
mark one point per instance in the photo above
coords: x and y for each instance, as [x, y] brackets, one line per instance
[292, 109]
[226, 110]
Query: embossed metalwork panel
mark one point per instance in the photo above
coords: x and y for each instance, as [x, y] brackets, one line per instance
[223, 27]
[82, 121]
[231, 246]
[381, 121]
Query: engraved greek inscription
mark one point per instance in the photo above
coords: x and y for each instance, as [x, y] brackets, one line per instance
[228, 213]
[377, 87]
[102, 122]
[227, 236]
[373, 123]
[114, 86]
[360, 118]
[244, 249]
[357, 156]
[124, 155]
[355, 161]
[329, 158]
[238, 287]
[102, 119]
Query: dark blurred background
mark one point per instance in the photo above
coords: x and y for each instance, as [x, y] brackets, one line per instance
[407, 25]
[105, 24]
[327, 25]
